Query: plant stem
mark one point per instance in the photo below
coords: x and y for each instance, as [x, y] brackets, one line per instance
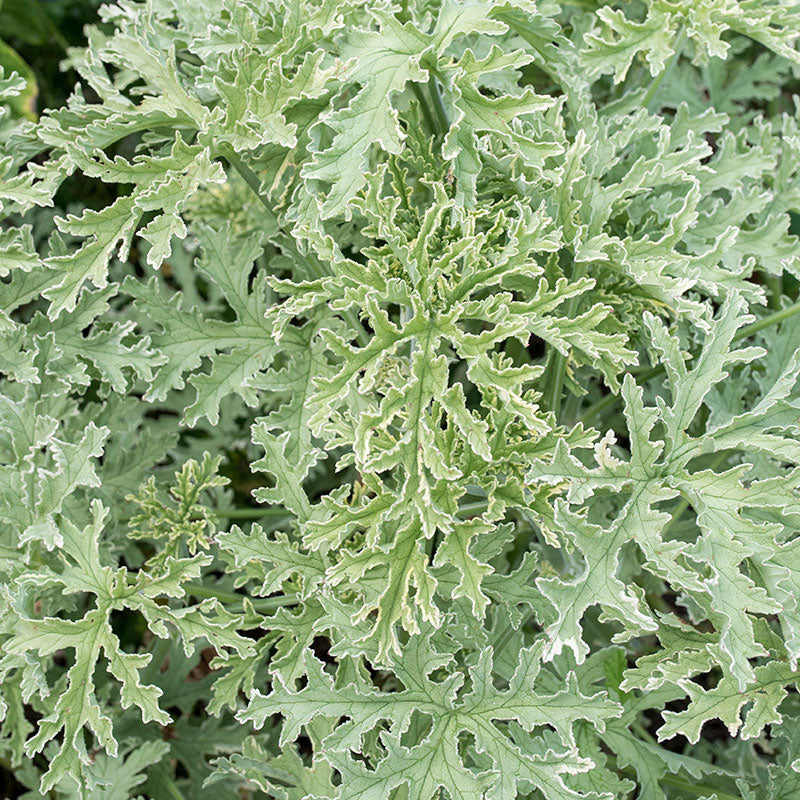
[401, 186]
[698, 789]
[161, 648]
[189, 58]
[259, 603]
[171, 787]
[251, 179]
[661, 77]
[36, 9]
[505, 637]
[438, 106]
[425, 108]
[555, 383]
[771, 319]
[775, 285]
[250, 513]
[558, 367]
[471, 509]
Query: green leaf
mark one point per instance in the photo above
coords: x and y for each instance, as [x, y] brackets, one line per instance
[77, 706]
[435, 762]
[657, 471]
[23, 98]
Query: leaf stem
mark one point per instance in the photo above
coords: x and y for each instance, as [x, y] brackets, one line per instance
[438, 106]
[555, 382]
[259, 603]
[698, 789]
[250, 513]
[661, 77]
[505, 637]
[399, 182]
[38, 9]
[471, 509]
[424, 107]
[775, 285]
[558, 367]
[172, 788]
[252, 180]
[771, 319]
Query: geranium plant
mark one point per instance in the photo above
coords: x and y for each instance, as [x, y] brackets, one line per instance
[399, 401]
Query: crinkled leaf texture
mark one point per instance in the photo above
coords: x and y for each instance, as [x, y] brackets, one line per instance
[401, 402]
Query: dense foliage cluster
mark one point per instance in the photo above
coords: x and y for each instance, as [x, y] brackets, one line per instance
[410, 409]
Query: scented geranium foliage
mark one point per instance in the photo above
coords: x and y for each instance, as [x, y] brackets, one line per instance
[401, 401]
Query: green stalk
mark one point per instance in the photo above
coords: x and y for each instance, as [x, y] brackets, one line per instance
[771, 319]
[250, 513]
[698, 789]
[557, 364]
[471, 509]
[438, 106]
[504, 638]
[775, 285]
[36, 9]
[398, 177]
[670, 779]
[172, 787]
[661, 77]
[555, 381]
[203, 592]
[161, 649]
[252, 180]
[189, 58]
[434, 111]
[425, 108]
